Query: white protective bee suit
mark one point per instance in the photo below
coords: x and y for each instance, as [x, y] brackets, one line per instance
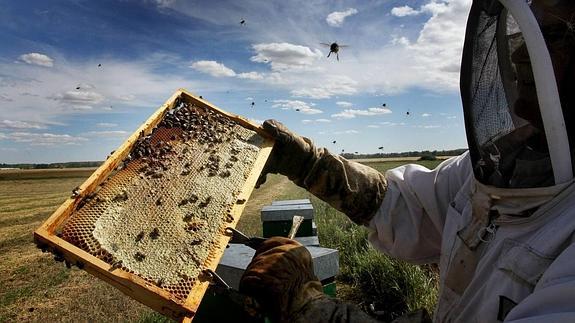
[500, 219]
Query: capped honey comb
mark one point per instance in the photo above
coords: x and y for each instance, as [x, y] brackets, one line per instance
[160, 213]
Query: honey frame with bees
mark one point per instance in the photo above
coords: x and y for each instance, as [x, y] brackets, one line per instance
[48, 236]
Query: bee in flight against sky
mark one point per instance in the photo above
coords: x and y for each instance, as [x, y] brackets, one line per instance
[334, 141]
[243, 22]
[380, 148]
[334, 48]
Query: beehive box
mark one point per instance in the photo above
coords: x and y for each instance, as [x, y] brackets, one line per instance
[152, 218]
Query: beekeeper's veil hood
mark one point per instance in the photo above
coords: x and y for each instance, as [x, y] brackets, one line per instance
[518, 91]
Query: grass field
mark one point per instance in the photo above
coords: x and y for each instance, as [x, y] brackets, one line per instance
[33, 287]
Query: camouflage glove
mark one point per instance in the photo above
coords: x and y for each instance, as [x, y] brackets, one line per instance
[352, 188]
[281, 278]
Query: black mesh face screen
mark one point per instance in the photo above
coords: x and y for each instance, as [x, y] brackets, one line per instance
[496, 78]
[489, 110]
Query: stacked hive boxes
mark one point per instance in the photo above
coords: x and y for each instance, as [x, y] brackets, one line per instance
[276, 221]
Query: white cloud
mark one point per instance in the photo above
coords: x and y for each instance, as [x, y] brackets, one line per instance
[164, 3]
[346, 132]
[37, 59]
[425, 54]
[251, 76]
[43, 139]
[79, 99]
[307, 121]
[336, 18]
[402, 41]
[106, 125]
[213, 68]
[296, 105]
[47, 96]
[249, 98]
[4, 97]
[452, 117]
[336, 85]
[216, 69]
[404, 11]
[257, 121]
[127, 97]
[352, 113]
[16, 124]
[436, 54]
[285, 56]
[344, 104]
[425, 115]
[108, 134]
[392, 124]
[372, 126]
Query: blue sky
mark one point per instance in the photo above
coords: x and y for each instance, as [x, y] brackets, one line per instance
[57, 104]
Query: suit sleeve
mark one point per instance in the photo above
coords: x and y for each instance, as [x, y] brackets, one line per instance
[409, 223]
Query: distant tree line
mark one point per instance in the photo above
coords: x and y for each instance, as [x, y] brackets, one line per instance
[53, 165]
[425, 154]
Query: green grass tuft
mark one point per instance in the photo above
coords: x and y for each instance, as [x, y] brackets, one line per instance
[393, 286]
[154, 317]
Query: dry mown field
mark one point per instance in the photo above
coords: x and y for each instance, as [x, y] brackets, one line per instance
[33, 287]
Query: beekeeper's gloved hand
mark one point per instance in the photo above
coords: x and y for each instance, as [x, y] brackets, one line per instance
[352, 188]
[281, 278]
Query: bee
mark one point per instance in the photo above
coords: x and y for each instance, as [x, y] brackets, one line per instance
[139, 256]
[140, 236]
[334, 48]
[154, 234]
[116, 264]
[76, 191]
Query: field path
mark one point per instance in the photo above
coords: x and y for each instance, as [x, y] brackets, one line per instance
[274, 188]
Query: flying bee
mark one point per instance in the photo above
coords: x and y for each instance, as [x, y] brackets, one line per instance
[334, 48]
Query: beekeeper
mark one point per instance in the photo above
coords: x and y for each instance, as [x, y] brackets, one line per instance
[499, 220]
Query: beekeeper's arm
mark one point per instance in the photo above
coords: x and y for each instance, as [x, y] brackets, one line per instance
[405, 209]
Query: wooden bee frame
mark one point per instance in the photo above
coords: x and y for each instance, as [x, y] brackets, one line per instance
[130, 284]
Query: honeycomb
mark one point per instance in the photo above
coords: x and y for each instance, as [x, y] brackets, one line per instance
[160, 213]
